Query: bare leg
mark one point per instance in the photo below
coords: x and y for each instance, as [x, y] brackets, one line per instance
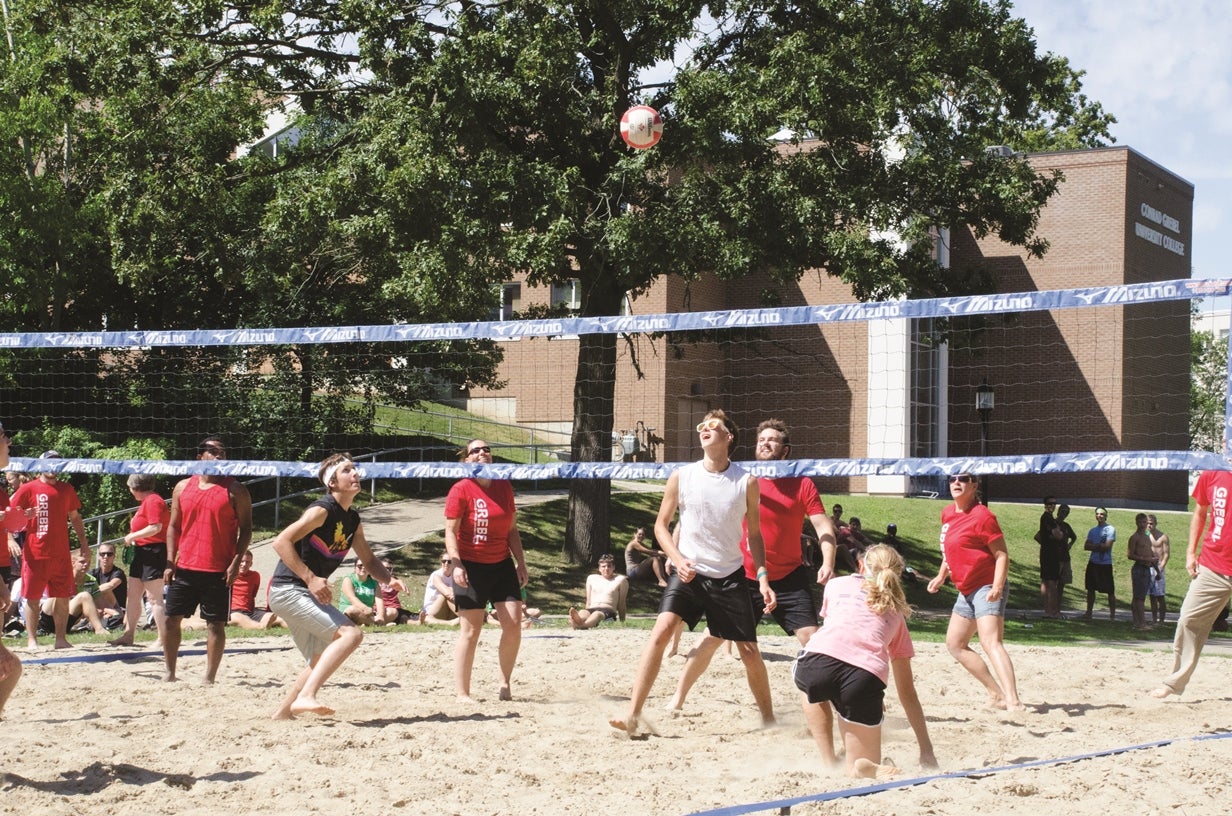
[992, 638]
[31, 609]
[307, 685]
[759, 679]
[82, 604]
[647, 670]
[509, 615]
[464, 650]
[215, 643]
[171, 644]
[656, 564]
[821, 725]
[132, 614]
[958, 642]
[863, 745]
[10, 673]
[694, 667]
[59, 613]
[675, 638]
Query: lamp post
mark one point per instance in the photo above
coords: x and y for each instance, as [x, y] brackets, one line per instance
[985, 399]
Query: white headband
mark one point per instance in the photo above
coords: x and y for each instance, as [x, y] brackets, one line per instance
[331, 470]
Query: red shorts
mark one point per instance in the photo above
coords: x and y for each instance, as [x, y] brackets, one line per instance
[54, 575]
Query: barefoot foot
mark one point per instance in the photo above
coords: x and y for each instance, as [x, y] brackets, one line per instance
[1162, 693]
[867, 769]
[309, 705]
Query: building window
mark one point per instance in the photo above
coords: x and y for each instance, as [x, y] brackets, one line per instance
[510, 302]
[568, 294]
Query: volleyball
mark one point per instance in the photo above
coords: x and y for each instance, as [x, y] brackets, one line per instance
[641, 127]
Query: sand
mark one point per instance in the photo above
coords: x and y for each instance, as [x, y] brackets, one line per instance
[110, 738]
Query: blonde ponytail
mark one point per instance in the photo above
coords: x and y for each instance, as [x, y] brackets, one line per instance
[882, 568]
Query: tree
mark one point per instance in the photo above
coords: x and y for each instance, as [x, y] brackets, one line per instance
[1208, 395]
[454, 145]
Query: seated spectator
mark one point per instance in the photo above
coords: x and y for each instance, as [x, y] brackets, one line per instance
[81, 605]
[643, 563]
[891, 537]
[606, 595]
[244, 611]
[438, 603]
[359, 591]
[851, 541]
[112, 597]
[389, 609]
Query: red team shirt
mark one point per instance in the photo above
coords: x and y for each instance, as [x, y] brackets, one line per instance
[209, 527]
[784, 504]
[153, 510]
[487, 517]
[47, 531]
[1212, 491]
[244, 590]
[964, 545]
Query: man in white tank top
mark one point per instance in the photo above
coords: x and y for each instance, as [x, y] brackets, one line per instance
[716, 498]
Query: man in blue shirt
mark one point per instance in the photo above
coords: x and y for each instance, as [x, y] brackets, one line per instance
[1099, 543]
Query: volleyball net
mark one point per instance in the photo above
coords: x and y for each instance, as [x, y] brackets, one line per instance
[1036, 382]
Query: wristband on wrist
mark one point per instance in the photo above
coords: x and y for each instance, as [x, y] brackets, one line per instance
[762, 573]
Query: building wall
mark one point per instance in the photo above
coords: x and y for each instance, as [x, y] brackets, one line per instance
[1099, 379]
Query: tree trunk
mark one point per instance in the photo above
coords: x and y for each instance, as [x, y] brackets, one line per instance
[588, 531]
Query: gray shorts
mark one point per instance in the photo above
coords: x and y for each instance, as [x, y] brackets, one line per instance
[313, 624]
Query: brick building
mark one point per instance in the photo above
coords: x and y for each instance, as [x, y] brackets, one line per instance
[1114, 378]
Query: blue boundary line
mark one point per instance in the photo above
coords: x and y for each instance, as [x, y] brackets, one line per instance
[846, 793]
[110, 656]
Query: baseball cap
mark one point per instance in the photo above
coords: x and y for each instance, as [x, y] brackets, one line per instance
[50, 455]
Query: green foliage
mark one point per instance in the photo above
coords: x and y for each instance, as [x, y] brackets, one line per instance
[1208, 391]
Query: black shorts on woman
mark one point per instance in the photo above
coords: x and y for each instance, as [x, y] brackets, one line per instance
[487, 583]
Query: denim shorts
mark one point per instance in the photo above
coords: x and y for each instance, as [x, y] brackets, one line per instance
[976, 604]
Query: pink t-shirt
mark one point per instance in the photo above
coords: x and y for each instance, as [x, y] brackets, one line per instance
[784, 504]
[964, 544]
[857, 635]
[1212, 490]
[486, 514]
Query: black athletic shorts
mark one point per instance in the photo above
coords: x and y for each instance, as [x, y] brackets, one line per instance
[190, 589]
[724, 602]
[856, 694]
[487, 583]
[795, 608]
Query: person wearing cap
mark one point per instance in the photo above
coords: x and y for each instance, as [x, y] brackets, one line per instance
[209, 529]
[10, 664]
[784, 504]
[606, 595]
[973, 552]
[715, 497]
[47, 564]
[310, 550]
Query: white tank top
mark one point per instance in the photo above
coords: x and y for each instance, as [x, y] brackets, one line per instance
[712, 508]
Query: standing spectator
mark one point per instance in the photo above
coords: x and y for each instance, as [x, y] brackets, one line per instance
[973, 552]
[714, 497]
[47, 565]
[848, 662]
[485, 554]
[1210, 567]
[1068, 537]
[1100, 539]
[643, 563]
[1159, 585]
[310, 550]
[244, 611]
[146, 544]
[606, 595]
[1141, 552]
[783, 505]
[210, 528]
[1049, 539]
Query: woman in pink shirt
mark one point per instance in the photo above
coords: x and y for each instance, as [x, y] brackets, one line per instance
[847, 662]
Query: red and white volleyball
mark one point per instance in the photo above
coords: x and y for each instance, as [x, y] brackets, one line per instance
[641, 127]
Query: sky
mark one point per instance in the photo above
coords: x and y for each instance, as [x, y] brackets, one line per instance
[1164, 69]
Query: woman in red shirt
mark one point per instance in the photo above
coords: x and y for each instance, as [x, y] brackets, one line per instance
[485, 555]
[973, 553]
[146, 545]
